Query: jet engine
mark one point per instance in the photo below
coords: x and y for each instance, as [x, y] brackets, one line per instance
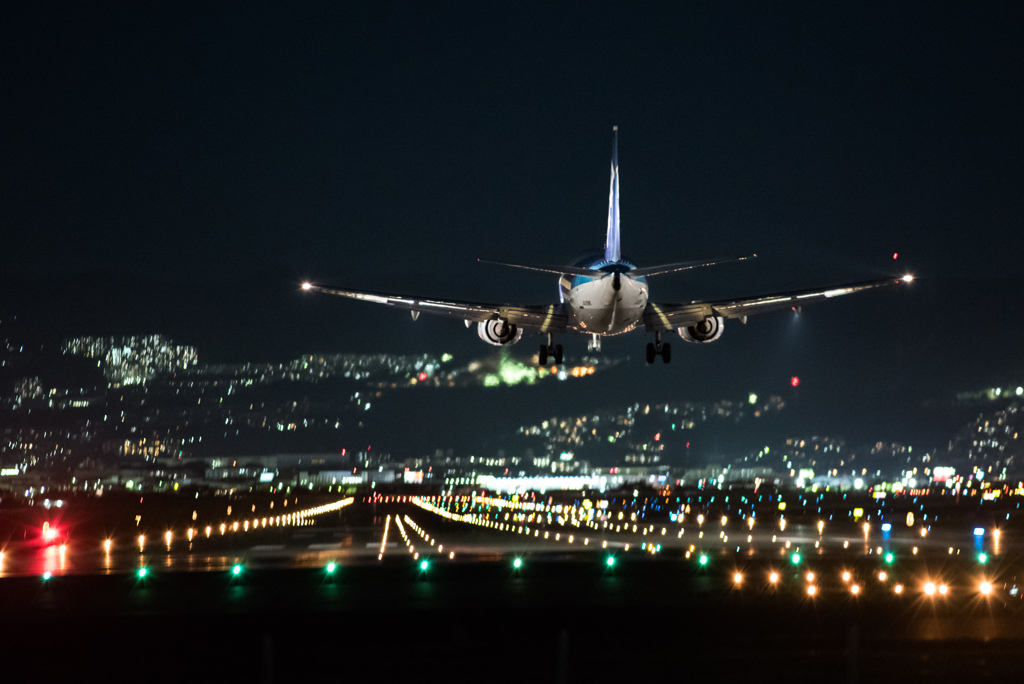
[708, 330]
[498, 332]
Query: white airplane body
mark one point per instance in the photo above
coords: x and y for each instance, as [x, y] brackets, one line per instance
[604, 294]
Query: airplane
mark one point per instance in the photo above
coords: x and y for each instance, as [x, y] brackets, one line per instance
[605, 294]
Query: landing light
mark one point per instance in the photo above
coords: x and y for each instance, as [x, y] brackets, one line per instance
[307, 286]
[908, 278]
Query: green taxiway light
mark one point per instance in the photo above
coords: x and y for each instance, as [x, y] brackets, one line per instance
[795, 558]
[331, 567]
[424, 565]
[47, 575]
[611, 561]
[889, 558]
[982, 557]
[703, 559]
[517, 563]
[236, 570]
[142, 573]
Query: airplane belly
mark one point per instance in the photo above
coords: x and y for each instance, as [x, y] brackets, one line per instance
[597, 308]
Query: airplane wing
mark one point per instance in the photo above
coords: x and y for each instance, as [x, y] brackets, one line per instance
[674, 316]
[544, 318]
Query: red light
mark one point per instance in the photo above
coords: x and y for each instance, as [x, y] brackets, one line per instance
[657, 437]
[423, 376]
[794, 381]
[895, 254]
[49, 533]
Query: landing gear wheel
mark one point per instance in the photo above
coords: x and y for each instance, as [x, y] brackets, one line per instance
[542, 355]
[666, 352]
[558, 355]
[650, 352]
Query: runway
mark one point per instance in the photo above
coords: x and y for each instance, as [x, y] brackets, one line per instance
[435, 597]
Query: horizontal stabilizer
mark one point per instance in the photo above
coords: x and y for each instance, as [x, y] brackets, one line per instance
[558, 270]
[684, 266]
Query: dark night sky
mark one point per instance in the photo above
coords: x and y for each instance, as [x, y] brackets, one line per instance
[390, 145]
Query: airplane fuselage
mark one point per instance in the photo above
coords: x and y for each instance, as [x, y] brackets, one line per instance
[608, 305]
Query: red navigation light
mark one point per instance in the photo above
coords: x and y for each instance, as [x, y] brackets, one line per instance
[794, 381]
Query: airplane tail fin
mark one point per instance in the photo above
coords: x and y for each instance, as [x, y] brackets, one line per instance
[612, 251]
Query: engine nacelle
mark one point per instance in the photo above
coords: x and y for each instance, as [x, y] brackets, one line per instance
[498, 332]
[708, 330]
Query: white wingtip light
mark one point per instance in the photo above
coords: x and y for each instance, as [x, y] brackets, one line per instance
[307, 286]
[908, 278]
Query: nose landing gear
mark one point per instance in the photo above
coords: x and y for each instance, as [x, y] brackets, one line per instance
[656, 348]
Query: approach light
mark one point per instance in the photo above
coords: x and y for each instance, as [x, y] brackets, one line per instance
[898, 589]
[773, 578]
[812, 590]
[929, 588]
[985, 588]
[737, 578]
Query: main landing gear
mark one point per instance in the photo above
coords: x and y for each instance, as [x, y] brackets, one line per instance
[656, 348]
[550, 349]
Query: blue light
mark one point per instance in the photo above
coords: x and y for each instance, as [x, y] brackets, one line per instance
[886, 527]
[979, 531]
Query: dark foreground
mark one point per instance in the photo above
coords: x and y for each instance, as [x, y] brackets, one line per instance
[564, 620]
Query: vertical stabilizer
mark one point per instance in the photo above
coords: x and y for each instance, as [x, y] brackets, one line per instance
[611, 243]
